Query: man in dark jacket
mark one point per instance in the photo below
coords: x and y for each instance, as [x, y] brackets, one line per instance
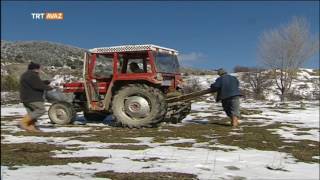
[227, 87]
[31, 94]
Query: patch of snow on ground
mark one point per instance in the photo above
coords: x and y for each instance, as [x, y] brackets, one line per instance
[200, 106]
[65, 129]
[207, 164]
[13, 110]
[300, 118]
[314, 134]
[32, 139]
[180, 140]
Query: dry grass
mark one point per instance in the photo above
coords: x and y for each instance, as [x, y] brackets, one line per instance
[217, 130]
[36, 154]
[146, 175]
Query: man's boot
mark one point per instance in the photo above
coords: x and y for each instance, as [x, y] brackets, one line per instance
[33, 127]
[234, 121]
[25, 123]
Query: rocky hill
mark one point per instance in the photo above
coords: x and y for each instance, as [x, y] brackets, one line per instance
[48, 53]
[57, 59]
[63, 64]
[16, 55]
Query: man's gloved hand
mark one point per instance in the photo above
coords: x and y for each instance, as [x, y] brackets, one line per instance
[211, 86]
[47, 82]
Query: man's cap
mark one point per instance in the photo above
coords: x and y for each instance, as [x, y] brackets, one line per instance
[33, 65]
[221, 71]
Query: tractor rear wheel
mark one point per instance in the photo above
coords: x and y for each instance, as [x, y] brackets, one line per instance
[61, 113]
[138, 105]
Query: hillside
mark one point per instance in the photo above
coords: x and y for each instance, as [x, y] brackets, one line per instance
[43, 52]
[57, 59]
[16, 55]
[304, 87]
[63, 64]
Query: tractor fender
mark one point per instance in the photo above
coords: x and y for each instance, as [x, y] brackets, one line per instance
[107, 99]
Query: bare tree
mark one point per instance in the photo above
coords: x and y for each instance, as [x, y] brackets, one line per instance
[259, 80]
[285, 50]
[316, 88]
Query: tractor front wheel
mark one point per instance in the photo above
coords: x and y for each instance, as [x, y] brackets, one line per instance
[138, 105]
[61, 113]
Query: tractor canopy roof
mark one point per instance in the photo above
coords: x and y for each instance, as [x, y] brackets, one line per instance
[127, 48]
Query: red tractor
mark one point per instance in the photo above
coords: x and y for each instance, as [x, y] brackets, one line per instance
[131, 82]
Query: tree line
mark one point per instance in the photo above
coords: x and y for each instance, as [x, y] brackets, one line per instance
[282, 51]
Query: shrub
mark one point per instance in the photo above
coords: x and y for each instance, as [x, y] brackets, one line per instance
[241, 69]
[292, 96]
[258, 81]
[9, 83]
[57, 64]
[315, 72]
[191, 86]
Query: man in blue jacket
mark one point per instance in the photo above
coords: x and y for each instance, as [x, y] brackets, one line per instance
[227, 87]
